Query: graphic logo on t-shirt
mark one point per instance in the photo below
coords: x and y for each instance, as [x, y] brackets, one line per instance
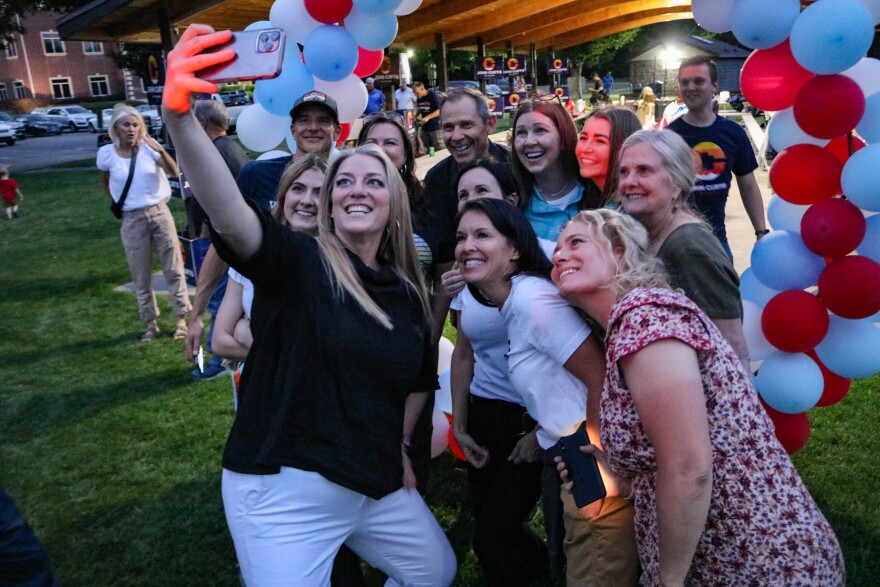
[710, 161]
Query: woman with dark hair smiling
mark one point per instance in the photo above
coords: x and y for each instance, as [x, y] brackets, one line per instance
[598, 149]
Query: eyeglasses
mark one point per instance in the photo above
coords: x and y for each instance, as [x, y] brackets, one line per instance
[554, 97]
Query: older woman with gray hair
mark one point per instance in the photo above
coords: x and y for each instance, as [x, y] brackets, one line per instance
[133, 171]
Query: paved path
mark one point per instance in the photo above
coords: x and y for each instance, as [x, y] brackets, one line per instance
[36, 152]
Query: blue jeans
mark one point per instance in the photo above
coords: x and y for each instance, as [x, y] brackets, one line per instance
[213, 306]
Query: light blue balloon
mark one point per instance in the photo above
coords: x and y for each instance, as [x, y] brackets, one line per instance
[760, 24]
[751, 289]
[869, 127]
[278, 95]
[785, 215]
[371, 32]
[870, 246]
[331, 53]
[861, 178]
[781, 261]
[790, 383]
[259, 25]
[851, 348]
[785, 132]
[376, 7]
[831, 35]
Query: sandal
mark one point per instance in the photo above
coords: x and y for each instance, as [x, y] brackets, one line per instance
[150, 334]
[179, 332]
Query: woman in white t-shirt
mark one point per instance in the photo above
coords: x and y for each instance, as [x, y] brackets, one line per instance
[552, 360]
[297, 209]
[147, 224]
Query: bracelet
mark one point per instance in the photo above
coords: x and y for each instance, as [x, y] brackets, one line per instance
[406, 445]
[762, 232]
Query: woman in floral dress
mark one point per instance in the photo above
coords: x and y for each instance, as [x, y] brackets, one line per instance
[717, 500]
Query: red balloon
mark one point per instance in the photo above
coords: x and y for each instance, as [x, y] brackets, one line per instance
[794, 321]
[369, 62]
[836, 387]
[828, 106]
[850, 287]
[805, 174]
[833, 227]
[792, 430]
[771, 78]
[344, 131]
[328, 11]
[840, 147]
[453, 444]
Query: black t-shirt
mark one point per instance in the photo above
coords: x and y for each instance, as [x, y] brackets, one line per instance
[443, 201]
[324, 384]
[428, 104]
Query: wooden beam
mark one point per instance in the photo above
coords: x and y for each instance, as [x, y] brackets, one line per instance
[529, 11]
[609, 28]
[425, 21]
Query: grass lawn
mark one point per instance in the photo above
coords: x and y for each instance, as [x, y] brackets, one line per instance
[112, 450]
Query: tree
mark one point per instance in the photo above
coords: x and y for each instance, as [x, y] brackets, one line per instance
[598, 54]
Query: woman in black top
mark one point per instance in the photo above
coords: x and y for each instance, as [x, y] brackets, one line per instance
[340, 366]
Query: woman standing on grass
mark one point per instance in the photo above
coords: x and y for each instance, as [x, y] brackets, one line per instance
[135, 166]
[341, 363]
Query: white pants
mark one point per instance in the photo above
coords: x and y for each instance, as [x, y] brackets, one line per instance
[288, 527]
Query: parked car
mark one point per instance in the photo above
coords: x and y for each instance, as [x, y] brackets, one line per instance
[17, 127]
[152, 119]
[232, 112]
[38, 125]
[75, 118]
[7, 134]
[235, 98]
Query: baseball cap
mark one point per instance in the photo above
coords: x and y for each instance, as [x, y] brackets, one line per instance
[370, 80]
[319, 98]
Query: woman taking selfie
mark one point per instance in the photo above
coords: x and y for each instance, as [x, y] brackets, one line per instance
[717, 500]
[552, 362]
[598, 150]
[133, 171]
[341, 363]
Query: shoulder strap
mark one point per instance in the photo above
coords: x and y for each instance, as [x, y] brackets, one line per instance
[134, 153]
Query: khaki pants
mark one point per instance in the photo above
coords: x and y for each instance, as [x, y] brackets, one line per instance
[142, 231]
[600, 552]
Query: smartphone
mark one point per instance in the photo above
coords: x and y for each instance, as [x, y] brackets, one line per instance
[583, 469]
[258, 55]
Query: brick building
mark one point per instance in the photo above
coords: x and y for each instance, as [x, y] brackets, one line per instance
[39, 64]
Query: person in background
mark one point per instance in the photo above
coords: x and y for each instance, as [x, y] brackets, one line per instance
[598, 150]
[717, 499]
[721, 149]
[146, 220]
[10, 193]
[608, 83]
[597, 92]
[429, 116]
[646, 108]
[405, 98]
[375, 97]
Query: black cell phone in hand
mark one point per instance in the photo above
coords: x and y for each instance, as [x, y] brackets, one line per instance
[583, 470]
[258, 55]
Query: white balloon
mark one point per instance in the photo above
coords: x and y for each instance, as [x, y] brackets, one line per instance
[873, 7]
[443, 397]
[444, 357]
[407, 7]
[713, 15]
[785, 132]
[292, 16]
[866, 73]
[440, 433]
[259, 130]
[350, 95]
[288, 138]
[276, 154]
[758, 345]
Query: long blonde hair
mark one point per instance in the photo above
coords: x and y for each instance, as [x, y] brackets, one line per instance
[397, 247]
[120, 111]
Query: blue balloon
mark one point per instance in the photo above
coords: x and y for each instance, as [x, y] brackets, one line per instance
[331, 53]
[376, 7]
[760, 24]
[861, 178]
[781, 261]
[785, 215]
[278, 95]
[832, 35]
[851, 348]
[373, 32]
[870, 246]
[790, 383]
[259, 25]
[751, 289]
[869, 127]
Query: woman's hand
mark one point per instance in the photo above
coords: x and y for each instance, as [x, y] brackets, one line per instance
[475, 454]
[615, 486]
[409, 477]
[452, 280]
[153, 144]
[526, 450]
[186, 59]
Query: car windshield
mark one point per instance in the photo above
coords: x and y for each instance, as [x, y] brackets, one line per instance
[77, 110]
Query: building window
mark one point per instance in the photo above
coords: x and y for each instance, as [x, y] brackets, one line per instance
[3, 96]
[11, 51]
[18, 88]
[61, 88]
[99, 85]
[93, 47]
[52, 44]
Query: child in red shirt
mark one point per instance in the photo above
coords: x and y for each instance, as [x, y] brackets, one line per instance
[10, 193]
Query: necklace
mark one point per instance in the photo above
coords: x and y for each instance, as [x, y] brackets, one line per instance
[565, 189]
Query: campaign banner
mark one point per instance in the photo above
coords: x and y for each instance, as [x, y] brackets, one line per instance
[514, 66]
[154, 82]
[488, 67]
[496, 106]
[561, 91]
[511, 101]
[558, 66]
